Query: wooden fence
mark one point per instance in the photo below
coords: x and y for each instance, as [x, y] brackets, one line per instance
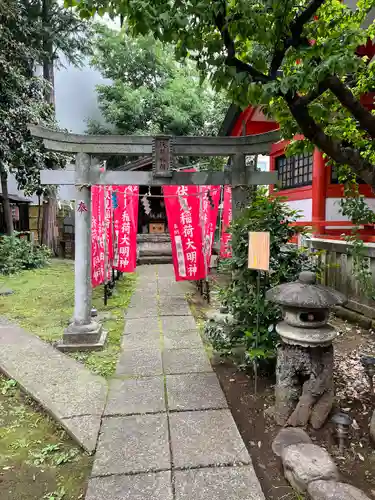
[338, 272]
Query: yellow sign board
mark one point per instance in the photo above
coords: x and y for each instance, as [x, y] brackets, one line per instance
[259, 251]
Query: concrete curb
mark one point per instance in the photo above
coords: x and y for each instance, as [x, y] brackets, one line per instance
[63, 387]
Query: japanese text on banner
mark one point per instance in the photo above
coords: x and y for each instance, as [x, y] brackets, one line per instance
[182, 205]
[125, 227]
[226, 237]
[210, 208]
[109, 228]
[97, 235]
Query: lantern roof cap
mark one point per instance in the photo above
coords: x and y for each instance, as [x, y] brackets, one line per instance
[305, 293]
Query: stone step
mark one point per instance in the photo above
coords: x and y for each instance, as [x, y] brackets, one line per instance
[155, 259]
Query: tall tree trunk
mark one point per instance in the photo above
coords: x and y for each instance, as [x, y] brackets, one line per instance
[48, 237]
[6, 204]
[38, 223]
[49, 223]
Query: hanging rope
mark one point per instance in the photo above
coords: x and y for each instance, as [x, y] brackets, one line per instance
[204, 193]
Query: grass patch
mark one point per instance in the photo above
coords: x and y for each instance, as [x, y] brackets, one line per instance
[43, 301]
[38, 460]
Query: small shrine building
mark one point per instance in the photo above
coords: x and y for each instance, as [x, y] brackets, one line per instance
[305, 180]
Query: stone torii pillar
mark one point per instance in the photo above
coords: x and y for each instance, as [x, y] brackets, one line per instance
[84, 333]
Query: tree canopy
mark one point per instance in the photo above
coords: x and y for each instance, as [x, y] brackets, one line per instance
[33, 33]
[149, 91]
[22, 99]
[296, 58]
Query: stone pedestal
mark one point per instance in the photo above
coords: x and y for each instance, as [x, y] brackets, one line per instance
[82, 334]
[89, 337]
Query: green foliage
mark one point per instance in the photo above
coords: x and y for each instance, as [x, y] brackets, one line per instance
[54, 454]
[17, 254]
[9, 387]
[27, 432]
[60, 494]
[27, 30]
[361, 264]
[150, 92]
[279, 54]
[355, 208]
[241, 297]
[52, 288]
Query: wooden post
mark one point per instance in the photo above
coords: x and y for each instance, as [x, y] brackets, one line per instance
[318, 191]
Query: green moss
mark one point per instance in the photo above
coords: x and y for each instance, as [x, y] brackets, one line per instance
[43, 300]
[36, 457]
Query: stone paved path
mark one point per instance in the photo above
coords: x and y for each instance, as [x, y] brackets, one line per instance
[66, 389]
[167, 433]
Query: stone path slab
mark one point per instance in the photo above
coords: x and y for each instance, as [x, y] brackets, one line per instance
[156, 486]
[206, 438]
[177, 361]
[141, 326]
[141, 311]
[194, 391]
[67, 390]
[167, 426]
[139, 341]
[182, 340]
[140, 363]
[225, 483]
[178, 324]
[132, 444]
[131, 396]
[174, 308]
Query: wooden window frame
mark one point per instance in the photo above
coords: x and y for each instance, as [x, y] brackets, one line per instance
[294, 171]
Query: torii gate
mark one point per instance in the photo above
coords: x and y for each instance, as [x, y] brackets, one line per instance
[84, 333]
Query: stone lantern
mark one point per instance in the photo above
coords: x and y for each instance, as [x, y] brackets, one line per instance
[304, 373]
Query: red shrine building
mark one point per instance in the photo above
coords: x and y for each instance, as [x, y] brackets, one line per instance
[307, 183]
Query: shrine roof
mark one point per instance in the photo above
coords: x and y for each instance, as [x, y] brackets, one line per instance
[252, 117]
[16, 198]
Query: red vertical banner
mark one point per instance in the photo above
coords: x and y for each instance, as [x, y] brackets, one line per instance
[97, 235]
[182, 204]
[125, 227]
[226, 238]
[210, 209]
[108, 223]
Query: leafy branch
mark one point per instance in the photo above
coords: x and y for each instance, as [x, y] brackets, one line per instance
[295, 39]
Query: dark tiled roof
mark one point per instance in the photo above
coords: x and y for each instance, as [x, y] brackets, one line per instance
[16, 198]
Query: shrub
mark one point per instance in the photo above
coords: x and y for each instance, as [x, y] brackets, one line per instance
[240, 297]
[17, 254]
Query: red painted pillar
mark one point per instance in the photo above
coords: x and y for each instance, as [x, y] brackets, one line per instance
[319, 189]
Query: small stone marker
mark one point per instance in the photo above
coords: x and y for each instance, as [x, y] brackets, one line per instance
[330, 490]
[259, 251]
[304, 463]
[287, 437]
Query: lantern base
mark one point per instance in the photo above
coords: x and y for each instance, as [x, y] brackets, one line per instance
[304, 389]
